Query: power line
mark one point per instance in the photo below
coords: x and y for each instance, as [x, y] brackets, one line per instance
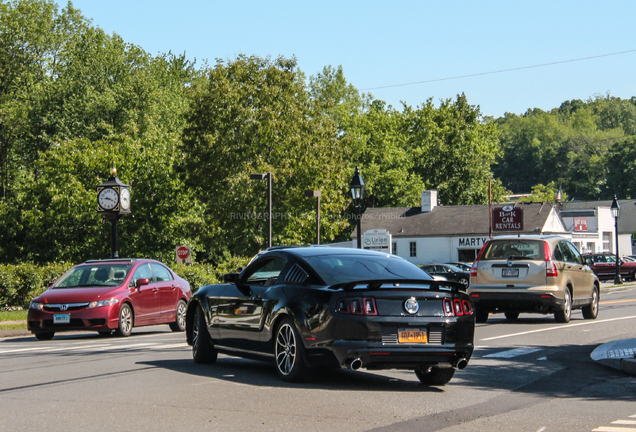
[499, 71]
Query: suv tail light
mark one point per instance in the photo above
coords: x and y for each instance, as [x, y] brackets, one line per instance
[457, 307]
[357, 306]
[550, 267]
[473, 268]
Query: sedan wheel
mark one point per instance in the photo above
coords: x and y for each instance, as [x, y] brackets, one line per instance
[436, 376]
[564, 315]
[179, 323]
[289, 351]
[464, 282]
[591, 311]
[202, 347]
[45, 336]
[511, 315]
[125, 321]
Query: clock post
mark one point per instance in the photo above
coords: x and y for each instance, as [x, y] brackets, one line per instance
[113, 201]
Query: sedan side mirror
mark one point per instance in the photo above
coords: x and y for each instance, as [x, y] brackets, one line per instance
[142, 282]
[231, 278]
[589, 261]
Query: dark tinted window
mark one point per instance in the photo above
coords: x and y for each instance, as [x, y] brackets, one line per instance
[514, 249]
[266, 271]
[335, 269]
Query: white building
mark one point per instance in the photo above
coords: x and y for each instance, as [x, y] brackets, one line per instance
[433, 233]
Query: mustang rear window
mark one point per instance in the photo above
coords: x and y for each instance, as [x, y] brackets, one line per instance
[514, 249]
[336, 269]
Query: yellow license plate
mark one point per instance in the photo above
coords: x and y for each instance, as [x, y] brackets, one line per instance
[412, 336]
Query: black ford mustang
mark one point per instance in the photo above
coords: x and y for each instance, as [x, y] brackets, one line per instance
[304, 307]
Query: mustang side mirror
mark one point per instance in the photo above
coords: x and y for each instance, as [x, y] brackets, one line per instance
[231, 278]
[142, 282]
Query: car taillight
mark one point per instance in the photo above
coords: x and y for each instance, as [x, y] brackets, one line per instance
[473, 268]
[457, 307]
[550, 267]
[357, 306]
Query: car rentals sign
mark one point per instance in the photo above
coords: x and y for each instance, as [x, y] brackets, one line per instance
[507, 218]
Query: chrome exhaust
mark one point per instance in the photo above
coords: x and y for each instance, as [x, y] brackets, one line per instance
[354, 364]
[461, 363]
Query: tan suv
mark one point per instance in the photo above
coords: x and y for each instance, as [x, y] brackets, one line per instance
[537, 274]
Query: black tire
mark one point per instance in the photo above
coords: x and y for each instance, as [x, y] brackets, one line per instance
[591, 311]
[202, 347]
[126, 321]
[179, 323]
[511, 315]
[289, 353]
[481, 316]
[44, 336]
[436, 376]
[563, 316]
[464, 282]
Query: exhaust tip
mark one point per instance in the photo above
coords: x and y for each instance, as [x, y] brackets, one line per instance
[355, 364]
[461, 363]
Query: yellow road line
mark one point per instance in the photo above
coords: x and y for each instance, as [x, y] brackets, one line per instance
[618, 301]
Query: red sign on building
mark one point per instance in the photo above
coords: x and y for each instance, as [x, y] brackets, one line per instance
[580, 224]
[507, 218]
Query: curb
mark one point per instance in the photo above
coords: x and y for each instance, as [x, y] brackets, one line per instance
[14, 333]
[617, 354]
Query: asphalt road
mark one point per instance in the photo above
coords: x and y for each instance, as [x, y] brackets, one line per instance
[528, 375]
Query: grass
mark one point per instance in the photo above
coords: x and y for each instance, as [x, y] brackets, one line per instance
[13, 316]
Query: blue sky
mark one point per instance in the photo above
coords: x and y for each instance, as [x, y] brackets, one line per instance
[384, 45]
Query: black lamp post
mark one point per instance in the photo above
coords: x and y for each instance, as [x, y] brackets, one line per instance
[267, 176]
[113, 201]
[357, 192]
[616, 211]
[316, 194]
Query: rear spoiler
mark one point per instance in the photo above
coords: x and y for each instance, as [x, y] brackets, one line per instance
[398, 283]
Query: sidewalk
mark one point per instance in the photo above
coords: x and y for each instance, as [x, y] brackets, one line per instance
[618, 354]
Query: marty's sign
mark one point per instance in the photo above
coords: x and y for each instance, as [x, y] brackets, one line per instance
[507, 218]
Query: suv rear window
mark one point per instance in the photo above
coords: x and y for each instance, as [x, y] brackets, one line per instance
[514, 249]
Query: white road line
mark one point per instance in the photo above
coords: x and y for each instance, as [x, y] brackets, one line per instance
[167, 346]
[613, 429]
[513, 353]
[24, 350]
[121, 347]
[625, 422]
[563, 327]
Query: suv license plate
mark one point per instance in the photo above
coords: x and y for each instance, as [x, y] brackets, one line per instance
[412, 336]
[61, 318]
[510, 272]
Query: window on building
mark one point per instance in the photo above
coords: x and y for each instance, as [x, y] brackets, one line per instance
[607, 241]
[413, 249]
[394, 248]
[591, 247]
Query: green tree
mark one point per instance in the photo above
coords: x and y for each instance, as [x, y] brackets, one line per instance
[255, 115]
[541, 193]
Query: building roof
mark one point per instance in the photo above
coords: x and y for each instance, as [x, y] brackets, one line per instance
[460, 220]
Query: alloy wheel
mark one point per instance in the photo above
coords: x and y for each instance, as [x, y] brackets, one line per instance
[125, 317]
[285, 349]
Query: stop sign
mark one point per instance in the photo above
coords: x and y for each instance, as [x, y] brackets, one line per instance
[183, 252]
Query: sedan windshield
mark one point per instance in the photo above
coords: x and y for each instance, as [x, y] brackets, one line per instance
[94, 276]
[336, 269]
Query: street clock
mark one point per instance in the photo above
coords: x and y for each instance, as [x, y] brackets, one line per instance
[113, 197]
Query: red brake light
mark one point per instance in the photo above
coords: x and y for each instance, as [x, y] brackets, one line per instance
[466, 307]
[550, 267]
[458, 307]
[357, 306]
[473, 268]
[448, 307]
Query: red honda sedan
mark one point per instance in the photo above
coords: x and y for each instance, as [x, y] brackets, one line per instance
[107, 295]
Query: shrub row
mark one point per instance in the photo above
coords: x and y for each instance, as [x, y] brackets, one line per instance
[19, 283]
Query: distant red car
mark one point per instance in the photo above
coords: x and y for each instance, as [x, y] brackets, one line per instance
[604, 265]
[107, 295]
